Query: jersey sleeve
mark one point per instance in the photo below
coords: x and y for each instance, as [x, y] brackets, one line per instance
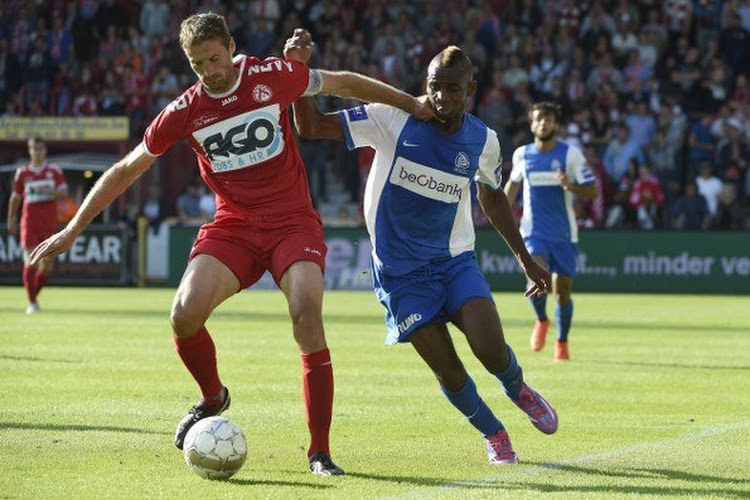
[518, 167]
[60, 183]
[291, 79]
[18, 184]
[490, 171]
[370, 125]
[167, 128]
[576, 168]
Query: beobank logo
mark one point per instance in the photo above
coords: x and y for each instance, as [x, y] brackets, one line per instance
[428, 182]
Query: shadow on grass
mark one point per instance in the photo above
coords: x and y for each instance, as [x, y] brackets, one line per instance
[685, 366]
[270, 482]
[627, 489]
[39, 360]
[422, 481]
[643, 473]
[76, 427]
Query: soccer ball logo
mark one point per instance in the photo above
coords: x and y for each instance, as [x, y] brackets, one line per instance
[215, 448]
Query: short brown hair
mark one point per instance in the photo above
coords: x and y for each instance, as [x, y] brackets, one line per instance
[546, 108]
[200, 28]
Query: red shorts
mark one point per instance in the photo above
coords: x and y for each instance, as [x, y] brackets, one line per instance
[249, 247]
[33, 234]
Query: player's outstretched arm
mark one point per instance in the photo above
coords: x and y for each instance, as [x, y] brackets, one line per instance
[364, 88]
[347, 84]
[495, 205]
[114, 181]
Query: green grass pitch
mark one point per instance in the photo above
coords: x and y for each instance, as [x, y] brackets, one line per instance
[654, 404]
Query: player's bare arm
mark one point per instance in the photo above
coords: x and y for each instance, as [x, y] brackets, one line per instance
[312, 123]
[495, 205]
[347, 84]
[116, 180]
[14, 204]
[511, 191]
[583, 191]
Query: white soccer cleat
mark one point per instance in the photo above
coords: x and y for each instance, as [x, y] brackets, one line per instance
[33, 308]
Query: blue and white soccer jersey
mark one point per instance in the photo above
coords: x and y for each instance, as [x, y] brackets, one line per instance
[548, 224]
[418, 211]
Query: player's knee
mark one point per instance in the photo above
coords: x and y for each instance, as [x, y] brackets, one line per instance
[184, 321]
[452, 378]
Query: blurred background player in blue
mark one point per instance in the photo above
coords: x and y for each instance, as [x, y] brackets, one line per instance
[552, 173]
[418, 214]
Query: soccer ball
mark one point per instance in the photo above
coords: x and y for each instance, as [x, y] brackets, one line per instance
[215, 448]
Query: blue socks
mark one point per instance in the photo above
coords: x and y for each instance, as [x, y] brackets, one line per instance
[564, 316]
[468, 402]
[512, 376]
[540, 306]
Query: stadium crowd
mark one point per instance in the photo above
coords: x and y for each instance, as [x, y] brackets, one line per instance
[655, 93]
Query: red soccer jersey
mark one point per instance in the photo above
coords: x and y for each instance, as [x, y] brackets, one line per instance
[243, 138]
[39, 208]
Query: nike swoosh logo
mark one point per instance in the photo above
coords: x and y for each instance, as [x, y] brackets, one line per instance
[410, 144]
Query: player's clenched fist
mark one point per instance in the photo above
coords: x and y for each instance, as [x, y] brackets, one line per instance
[299, 46]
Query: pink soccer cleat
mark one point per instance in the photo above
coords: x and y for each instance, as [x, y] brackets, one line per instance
[540, 412]
[499, 449]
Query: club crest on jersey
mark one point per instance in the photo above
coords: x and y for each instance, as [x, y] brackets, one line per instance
[262, 93]
[461, 163]
[243, 140]
[555, 164]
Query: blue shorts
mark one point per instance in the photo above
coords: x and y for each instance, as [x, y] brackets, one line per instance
[432, 293]
[560, 255]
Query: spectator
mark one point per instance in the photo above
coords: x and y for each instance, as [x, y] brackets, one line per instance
[733, 154]
[605, 73]
[641, 125]
[620, 152]
[701, 143]
[691, 210]
[10, 73]
[646, 198]
[154, 20]
[164, 88]
[188, 205]
[734, 41]
[729, 214]
[154, 209]
[709, 186]
[207, 206]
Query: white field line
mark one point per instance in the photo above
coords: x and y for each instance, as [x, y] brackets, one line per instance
[433, 491]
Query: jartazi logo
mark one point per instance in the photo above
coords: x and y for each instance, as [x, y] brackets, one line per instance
[226, 101]
[313, 250]
[428, 182]
[409, 322]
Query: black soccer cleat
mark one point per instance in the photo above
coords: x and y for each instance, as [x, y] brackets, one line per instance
[322, 465]
[196, 413]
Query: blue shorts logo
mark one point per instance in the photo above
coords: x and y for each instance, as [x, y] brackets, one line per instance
[357, 114]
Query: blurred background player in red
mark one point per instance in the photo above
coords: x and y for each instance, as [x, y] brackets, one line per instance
[37, 186]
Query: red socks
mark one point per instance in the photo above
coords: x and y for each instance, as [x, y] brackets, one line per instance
[33, 281]
[317, 385]
[39, 282]
[198, 354]
[29, 278]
